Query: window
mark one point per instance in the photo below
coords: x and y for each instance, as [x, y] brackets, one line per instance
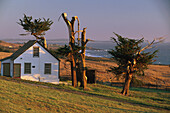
[47, 69]
[6, 69]
[27, 68]
[35, 51]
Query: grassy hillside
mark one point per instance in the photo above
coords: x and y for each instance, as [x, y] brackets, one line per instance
[156, 74]
[32, 97]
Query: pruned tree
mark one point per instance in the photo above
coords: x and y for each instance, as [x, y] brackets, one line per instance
[70, 25]
[131, 58]
[36, 27]
[77, 51]
[82, 58]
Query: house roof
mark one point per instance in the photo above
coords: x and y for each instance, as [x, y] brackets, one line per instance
[24, 48]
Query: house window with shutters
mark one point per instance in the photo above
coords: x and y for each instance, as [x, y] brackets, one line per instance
[47, 68]
[35, 51]
[27, 68]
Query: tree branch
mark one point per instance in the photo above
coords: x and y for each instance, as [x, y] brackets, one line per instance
[161, 39]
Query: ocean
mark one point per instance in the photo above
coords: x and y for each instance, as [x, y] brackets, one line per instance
[101, 48]
[163, 55]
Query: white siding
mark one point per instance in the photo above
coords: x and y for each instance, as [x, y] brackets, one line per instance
[38, 62]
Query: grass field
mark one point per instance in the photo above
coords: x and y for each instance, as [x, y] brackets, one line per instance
[20, 96]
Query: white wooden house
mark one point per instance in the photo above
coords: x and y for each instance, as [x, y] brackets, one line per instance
[32, 62]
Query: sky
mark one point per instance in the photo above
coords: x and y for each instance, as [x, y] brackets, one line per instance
[129, 18]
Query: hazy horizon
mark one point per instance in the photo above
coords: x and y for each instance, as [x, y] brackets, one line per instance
[129, 18]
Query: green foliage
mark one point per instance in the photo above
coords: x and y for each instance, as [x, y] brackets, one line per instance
[65, 51]
[37, 26]
[61, 52]
[4, 49]
[136, 83]
[127, 51]
[1, 49]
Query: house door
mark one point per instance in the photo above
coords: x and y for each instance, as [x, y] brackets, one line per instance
[6, 69]
[17, 70]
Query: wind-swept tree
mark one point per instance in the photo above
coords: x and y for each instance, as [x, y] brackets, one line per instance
[36, 27]
[131, 58]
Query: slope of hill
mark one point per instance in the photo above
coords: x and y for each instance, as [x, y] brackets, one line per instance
[18, 96]
[6, 44]
[9, 47]
[156, 74]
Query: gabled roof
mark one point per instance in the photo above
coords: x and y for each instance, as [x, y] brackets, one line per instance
[24, 48]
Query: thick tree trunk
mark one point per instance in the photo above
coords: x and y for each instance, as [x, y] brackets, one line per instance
[78, 72]
[70, 25]
[42, 40]
[73, 69]
[83, 74]
[83, 65]
[126, 86]
[73, 73]
[45, 42]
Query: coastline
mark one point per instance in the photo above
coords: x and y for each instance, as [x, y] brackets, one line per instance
[100, 48]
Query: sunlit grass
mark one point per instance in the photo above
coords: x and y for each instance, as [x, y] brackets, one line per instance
[33, 97]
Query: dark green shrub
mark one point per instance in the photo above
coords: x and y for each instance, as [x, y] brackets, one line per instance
[136, 82]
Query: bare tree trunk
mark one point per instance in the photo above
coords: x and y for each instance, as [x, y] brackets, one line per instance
[78, 73]
[74, 77]
[70, 25]
[126, 86]
[42, 39]
[74, 53]
[83, 72]
[44, 42]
